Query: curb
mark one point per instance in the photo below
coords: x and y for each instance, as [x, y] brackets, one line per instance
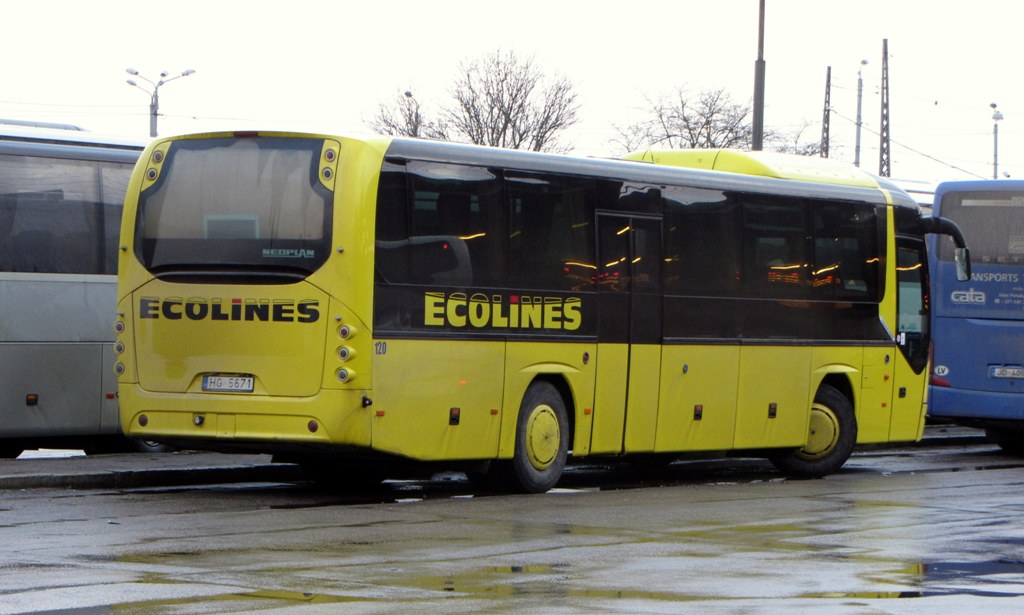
[164, 477]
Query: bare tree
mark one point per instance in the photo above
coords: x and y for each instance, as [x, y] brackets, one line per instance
[794, 143]
[499, 100]
[709, 120]
[405, 118]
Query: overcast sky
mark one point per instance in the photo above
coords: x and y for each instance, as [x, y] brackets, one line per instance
[327, 65]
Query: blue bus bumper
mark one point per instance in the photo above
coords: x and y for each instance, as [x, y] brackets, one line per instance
[962, 405]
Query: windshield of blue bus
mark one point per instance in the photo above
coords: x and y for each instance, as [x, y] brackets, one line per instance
[992, 222]
[236, 204]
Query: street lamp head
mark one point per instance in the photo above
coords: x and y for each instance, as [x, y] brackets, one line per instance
[187, 72]
[131, 71]
[132, 82]
[993, 105]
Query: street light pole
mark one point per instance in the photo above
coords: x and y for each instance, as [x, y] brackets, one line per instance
[757, 136]
[860, 96]
[154, 94]
[996, 116]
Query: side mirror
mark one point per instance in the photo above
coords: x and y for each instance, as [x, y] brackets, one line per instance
[962, 257]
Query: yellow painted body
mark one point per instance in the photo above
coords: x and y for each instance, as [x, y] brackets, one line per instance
[764, 164]
[436, 399]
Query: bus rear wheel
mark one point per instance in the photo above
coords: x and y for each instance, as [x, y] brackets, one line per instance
[830, 441]
[542, 439]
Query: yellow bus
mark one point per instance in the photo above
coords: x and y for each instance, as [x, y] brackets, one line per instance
[383, 304]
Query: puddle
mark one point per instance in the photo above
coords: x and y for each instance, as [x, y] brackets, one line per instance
[1003, 578]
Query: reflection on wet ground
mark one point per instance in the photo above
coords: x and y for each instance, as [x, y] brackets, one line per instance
[889, 535]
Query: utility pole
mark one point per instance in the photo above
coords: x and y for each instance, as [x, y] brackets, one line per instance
[860, 97]
[826, 115]
[884, 164]
[757, 138]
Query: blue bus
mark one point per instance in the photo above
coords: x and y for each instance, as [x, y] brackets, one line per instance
[978, 328]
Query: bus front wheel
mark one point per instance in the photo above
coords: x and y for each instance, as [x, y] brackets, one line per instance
[542, 439]
[830, 441]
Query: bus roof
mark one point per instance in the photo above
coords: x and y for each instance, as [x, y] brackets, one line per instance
[979, 185]
[764, 164]
[770, 176]
[63, 134]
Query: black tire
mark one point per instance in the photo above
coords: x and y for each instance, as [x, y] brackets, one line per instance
[148, 446]
[542, 439]
[109, 445]
[1007, 439]
[833, 434]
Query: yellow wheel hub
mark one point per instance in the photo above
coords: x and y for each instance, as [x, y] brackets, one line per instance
[824, 433]
[542, 437]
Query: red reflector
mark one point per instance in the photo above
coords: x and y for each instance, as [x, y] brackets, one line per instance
[313, 427]
[940, 382]
[111, 395]
[246, 134]
[32, 399]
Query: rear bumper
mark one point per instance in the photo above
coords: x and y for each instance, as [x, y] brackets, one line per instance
[957, 405]
[331, 417]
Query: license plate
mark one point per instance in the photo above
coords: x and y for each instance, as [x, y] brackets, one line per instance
[1008, 372]
[228, 383]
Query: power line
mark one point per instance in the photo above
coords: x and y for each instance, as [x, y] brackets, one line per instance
[60, 105]
[911, 149]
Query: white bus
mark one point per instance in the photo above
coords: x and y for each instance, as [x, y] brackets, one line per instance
[61, 195]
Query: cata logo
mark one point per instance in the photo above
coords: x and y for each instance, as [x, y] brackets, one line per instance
[967, 297]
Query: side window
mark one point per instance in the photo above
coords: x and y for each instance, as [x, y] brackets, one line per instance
[847, 260]
[774, 247]
[614, 269]
[60, 216]
[702, 247]
[912, 318]
[391, 258]
[551, 230]
[445, 226]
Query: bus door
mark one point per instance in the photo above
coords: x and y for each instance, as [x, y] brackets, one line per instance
[913, 338]
[629, 334]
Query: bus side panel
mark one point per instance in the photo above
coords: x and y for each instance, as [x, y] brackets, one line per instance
[697, 409]
[66, 379]
[610, 399]
[642, 404]
[528, 360]
[908, 402]
[874, 410]
[437, 400]
[773, 406]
